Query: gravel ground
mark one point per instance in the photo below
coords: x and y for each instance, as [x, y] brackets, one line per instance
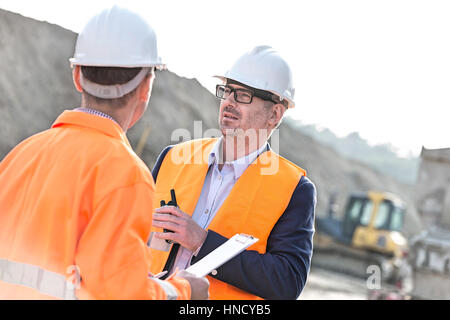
[328, 285]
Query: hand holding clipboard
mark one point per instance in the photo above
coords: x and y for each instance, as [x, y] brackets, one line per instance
[222, 254]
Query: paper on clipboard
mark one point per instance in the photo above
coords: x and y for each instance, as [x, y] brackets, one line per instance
[222, 254]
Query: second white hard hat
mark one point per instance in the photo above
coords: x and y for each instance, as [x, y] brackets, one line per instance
[117, 37]
[263, 68]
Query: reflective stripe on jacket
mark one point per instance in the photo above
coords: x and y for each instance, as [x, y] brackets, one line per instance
[256, 202]
[43, 281]
[76, 197]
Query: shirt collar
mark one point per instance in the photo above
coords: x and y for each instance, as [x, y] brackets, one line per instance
[238, 165]
[95, 112]
[87, 120]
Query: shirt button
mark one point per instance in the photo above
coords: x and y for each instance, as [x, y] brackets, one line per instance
[220, 177]
[206, 211]
[214, 272]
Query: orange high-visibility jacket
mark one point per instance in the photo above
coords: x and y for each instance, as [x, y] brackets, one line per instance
[254, 205]
[75, 216]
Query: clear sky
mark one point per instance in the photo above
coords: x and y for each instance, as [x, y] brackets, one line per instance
[381, 68]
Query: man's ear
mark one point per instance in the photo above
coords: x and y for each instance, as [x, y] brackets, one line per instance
[277, 114]
[76, 72]
[146, 87]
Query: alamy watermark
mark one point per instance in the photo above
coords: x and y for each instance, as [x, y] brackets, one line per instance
[373, 282]
[73, 280]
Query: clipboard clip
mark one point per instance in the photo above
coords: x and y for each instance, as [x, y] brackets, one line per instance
[246, 236]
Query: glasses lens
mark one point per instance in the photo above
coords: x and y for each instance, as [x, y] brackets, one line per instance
[222, 92]
[243, 96]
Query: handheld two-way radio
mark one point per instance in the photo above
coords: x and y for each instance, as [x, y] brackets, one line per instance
[172, 202]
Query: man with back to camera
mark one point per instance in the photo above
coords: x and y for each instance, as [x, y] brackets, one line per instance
[76, 201]
[238, 184]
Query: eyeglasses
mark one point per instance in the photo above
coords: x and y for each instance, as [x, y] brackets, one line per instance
[240, 95]
[244, 95]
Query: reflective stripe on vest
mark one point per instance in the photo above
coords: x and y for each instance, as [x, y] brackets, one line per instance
[46, 282]
[258, 199]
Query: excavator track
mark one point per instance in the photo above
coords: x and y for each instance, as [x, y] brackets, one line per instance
[351, 264]
[354, 262]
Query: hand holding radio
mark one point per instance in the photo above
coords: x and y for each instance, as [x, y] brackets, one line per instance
[178, 226]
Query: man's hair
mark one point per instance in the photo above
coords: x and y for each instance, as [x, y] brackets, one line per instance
[109, 76]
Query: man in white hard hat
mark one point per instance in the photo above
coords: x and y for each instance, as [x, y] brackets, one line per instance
[76, 201]
[238, 184]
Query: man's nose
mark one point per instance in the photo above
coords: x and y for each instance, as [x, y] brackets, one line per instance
[228, 103]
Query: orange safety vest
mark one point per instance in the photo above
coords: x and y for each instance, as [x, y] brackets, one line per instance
[254, 205]
[75, 204]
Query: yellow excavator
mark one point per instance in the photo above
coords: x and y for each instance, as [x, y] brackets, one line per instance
[369, 234]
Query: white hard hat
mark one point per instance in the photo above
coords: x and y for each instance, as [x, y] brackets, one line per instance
[117, 37]
[263, 68]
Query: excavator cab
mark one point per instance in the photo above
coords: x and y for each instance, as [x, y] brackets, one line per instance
[374, 221]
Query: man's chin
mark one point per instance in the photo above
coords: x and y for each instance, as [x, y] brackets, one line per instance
[230, 131]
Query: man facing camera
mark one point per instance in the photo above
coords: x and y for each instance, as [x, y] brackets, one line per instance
[238, 184]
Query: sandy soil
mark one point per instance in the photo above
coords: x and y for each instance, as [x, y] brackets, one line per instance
[328, 285]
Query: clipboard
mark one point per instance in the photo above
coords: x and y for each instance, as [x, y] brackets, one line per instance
[225, 252]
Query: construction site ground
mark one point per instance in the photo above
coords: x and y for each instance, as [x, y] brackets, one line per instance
[328, 285]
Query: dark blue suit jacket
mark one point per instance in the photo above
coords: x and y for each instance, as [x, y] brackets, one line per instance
[281, 272]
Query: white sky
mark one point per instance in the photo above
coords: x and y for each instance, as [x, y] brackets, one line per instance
[381, 68]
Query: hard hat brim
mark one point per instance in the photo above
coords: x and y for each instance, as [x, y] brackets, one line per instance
[77, 62]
